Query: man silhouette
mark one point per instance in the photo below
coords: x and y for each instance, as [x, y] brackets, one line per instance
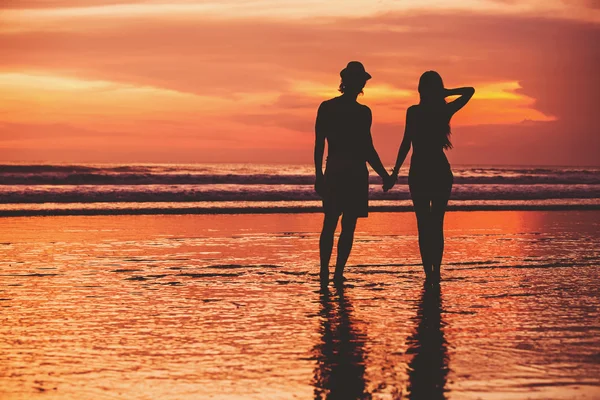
[344, 188]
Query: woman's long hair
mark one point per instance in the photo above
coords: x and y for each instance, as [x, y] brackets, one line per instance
[433, 102]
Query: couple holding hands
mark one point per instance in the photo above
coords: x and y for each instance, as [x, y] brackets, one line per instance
[344, 187]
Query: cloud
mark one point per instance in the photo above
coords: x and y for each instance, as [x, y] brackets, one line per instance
[258, 81]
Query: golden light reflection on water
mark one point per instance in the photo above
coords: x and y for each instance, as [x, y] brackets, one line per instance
[229, 307]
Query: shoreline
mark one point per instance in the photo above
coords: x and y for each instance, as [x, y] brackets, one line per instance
[281, 210]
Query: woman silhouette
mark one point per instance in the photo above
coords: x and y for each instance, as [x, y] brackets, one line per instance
[344, 188]
[430, 178]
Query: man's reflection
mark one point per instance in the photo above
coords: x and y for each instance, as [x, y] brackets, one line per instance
[429, 367]
[340, 371]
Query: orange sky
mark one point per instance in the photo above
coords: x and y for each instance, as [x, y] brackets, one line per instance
[240, 80]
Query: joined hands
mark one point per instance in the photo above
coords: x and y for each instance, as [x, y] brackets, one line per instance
[390, 181]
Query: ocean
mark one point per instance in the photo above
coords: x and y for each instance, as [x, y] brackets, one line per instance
[104, 189]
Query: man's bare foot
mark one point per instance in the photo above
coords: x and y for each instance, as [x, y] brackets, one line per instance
[338, 279]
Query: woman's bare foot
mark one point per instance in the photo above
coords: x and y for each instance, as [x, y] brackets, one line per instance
[429, 275]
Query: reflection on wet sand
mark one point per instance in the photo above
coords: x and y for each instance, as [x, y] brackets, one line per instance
[428, 369]
[227, 307]
[340, 355]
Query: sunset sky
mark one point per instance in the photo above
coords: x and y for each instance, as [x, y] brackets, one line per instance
[241, 80]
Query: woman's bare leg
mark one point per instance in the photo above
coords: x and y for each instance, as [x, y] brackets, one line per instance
[438, 211]
[423, 211]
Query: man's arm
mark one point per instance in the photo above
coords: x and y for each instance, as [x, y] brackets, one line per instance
[319, 150]
[372, 157]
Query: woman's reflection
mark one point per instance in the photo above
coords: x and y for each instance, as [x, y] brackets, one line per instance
[429, 367]
[340, 371]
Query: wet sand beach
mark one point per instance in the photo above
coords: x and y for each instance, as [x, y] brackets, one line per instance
[229, 307]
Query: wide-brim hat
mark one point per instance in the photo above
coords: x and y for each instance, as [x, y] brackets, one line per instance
[355, 70]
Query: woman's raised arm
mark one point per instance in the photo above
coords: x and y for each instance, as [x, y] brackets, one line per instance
[465, 94]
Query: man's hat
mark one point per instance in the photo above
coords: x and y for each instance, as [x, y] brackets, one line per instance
[355, 70]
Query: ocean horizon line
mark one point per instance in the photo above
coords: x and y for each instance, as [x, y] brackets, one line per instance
[279, 210]
[267, 163]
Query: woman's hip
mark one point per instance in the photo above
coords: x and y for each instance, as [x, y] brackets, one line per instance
[428, 180]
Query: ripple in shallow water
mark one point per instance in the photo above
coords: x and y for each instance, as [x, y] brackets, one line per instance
[234, 309]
